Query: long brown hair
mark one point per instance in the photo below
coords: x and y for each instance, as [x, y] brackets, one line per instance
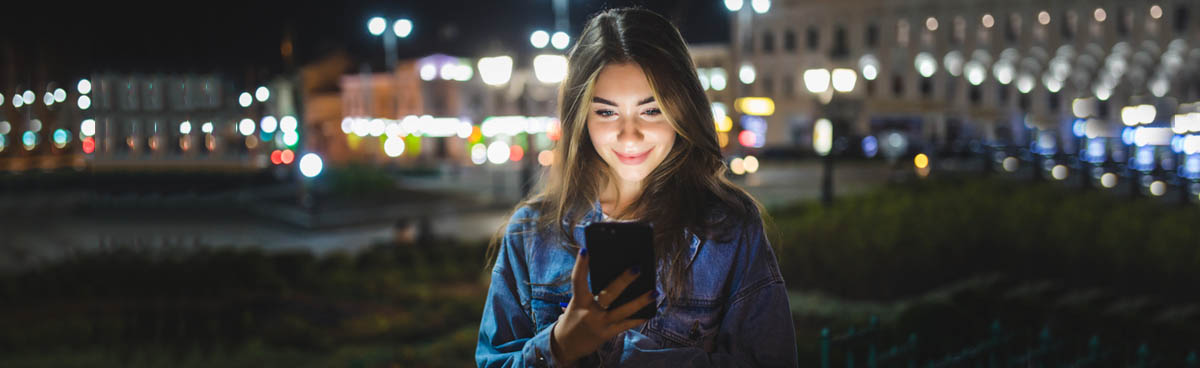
[687, 191]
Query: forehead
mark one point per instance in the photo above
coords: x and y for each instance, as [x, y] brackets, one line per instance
[624, 80]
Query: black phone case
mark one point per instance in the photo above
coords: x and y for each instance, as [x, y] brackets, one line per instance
[614, 247]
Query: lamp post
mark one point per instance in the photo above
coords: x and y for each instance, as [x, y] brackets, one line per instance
[401, 28]
[818, 82]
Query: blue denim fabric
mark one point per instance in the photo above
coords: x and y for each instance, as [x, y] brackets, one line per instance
[736, 315]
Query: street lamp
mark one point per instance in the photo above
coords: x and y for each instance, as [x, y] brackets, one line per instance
[402, 28]
[818, 81]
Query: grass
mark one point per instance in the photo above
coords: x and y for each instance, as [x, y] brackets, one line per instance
[420, 305]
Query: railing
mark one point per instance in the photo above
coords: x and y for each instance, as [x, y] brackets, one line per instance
[999, 349]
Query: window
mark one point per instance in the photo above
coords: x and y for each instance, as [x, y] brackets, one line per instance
[897, 85]
[902, 32]
[840, 49]
[789, 41]
[1123, 25]
[814, 38]
[768, 85]
[1053, 101]
[789, 85]
[959, 33]
[748, 43]
[1068, 27]
[975, 95]
[872, 35]
[1181, 19]
[768, 40]
[927, 87]
[1012, 30]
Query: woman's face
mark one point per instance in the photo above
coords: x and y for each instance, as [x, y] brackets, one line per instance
[627, 128]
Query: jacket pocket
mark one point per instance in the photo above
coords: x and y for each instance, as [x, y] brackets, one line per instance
[687, 323]
[544, 306]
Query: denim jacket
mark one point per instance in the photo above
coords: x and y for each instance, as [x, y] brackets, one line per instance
[737, 313]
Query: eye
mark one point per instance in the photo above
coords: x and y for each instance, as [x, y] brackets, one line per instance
[653, 112]
[605, 113]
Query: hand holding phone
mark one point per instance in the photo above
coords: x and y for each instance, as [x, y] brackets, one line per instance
[618, 303]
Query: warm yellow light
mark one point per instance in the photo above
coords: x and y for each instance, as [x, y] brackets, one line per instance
[750, 163]
[723, 139]
[922, 161]
[759, 106]
[724, 125]
[736, 166]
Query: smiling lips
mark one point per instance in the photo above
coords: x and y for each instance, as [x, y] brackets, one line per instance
[632, 159]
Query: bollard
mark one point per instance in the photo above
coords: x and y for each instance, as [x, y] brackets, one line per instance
[849, 346]
[912, 350]
[873, 327]
[993, 362]
[825, 347]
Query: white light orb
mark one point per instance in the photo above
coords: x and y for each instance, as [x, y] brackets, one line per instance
[29, 97]
[539, 38]
[311, 165]
[746, 74]
[288, 123]
[268, 124]
[376, 25]
[402, 28]
[85, 102]
[1158, 188]
[84, 86]
[479, 154]
[393, 146]
[560, 40]
[734, 5]
[290, 138]
[925, 63]
[738, 166]
[464, 129]
[816, 80]
[60, 95]
[185, 127]
[495, 71]
[498, 152]
[844, 79]
[245, 99]
[428, 72]
[761, 6]
[207, 127]
[1108, 180]
[87, 127]
[1010, 164]
[750, 163]
[976, 72]
[550, 68]
[1059, 172]
[870, 72]
[716, 79]
[246, 127]
[262, 94]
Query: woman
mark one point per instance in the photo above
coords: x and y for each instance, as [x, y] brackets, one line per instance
[638, 142]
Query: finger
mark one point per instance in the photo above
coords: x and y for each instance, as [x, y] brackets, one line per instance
[628, 309]
[579, 276]
[618, 285]
[625, 325]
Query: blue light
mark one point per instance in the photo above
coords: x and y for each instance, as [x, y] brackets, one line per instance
[1177, 144]
[870, 146]
[1191, 167]
[1079, 128]
[1127, 135]
[1046, 143]
[755, 124]
[1095, 152]
[1144, 159]
[60, 137]
[29, 138]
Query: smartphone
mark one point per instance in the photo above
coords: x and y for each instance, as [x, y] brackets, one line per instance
[613, 248]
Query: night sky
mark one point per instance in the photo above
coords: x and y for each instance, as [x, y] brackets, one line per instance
[53, 40]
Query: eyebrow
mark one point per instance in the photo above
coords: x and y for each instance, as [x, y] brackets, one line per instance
[610, 103]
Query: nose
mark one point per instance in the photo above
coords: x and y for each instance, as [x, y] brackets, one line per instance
[630, 132]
